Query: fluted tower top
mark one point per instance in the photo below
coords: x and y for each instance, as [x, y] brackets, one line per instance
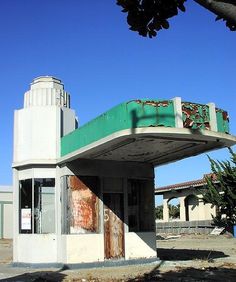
[46, 82]
[46, 91]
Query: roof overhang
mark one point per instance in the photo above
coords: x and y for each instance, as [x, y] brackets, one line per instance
[155, 145]
[160, 191]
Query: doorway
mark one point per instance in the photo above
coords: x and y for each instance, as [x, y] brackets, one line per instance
[191, 208]
[113, 212]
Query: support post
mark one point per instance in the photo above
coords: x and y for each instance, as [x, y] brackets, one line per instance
[212, 114]
[165, 210]
[178, 112]
[182, 209]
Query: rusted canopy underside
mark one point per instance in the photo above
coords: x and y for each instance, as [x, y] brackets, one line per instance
[154, 145]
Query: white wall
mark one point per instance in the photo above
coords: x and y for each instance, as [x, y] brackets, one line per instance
[36, 248]
[36, 134]
[84, 248]
[90, 247]
[140, 245]
[5, 196]
[8, 221]
[6, 212]
[37, 172]
[38, 127]
[200, 211]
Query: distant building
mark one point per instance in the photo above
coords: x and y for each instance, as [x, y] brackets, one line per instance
[189, 196]
[6, 212]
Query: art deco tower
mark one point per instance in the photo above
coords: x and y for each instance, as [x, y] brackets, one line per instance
[45, 118]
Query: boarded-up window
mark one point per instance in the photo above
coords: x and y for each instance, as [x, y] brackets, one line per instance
[140, 205]
[113, 225]
[83, 204]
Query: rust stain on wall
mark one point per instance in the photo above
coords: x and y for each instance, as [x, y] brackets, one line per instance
[113, 226]
[222, 120]
[83, 206]
[225, 116]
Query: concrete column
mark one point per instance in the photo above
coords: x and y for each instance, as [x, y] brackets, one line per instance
[178, 112]
[58, 213]
[15, 214]
[201, 209]
[182, 209]
[165, 210]
[126, 219]
[212, 114]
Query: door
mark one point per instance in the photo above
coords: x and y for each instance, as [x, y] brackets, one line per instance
[113, 225]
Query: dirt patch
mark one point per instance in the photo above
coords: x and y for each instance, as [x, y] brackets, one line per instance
[185, 258]
[191, 247]
[220, 273]
[223, 272]
[5, 251]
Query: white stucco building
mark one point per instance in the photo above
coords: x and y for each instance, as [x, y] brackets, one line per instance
[190, 199]
[86, 195]
[6, 212]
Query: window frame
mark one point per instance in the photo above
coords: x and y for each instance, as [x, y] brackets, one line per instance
[32, 207]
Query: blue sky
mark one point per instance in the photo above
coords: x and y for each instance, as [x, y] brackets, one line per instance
[88, 46]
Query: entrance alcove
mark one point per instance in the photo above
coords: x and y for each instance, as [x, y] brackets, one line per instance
[174, 209]
[191, 207]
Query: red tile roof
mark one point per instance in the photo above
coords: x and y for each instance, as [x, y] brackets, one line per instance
[184, 185]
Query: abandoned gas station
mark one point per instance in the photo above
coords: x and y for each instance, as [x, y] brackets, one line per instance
[86, 195]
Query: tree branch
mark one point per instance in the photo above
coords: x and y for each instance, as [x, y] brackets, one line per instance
[225, 9]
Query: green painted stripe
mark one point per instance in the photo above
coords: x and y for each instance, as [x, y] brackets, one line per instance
[133, 114]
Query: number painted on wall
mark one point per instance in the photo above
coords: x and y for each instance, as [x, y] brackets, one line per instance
[106, 215]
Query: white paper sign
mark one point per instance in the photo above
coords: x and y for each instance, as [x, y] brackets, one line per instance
[217, 230]
[26, 219]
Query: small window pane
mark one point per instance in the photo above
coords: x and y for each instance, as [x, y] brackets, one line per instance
[25, 206]
[140, 205]
[44, 205]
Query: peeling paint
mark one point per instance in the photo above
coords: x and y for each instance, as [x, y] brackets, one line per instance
[222, 120]
[83, 206]
[195, 116]
[113, 225]
[140, 114]
[153, 103]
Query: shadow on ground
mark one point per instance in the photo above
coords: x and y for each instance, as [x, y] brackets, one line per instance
[186, 254]
[177, 274]
[189, 274]
[39, 276]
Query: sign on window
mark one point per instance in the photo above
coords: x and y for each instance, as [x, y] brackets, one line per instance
[26, 219]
